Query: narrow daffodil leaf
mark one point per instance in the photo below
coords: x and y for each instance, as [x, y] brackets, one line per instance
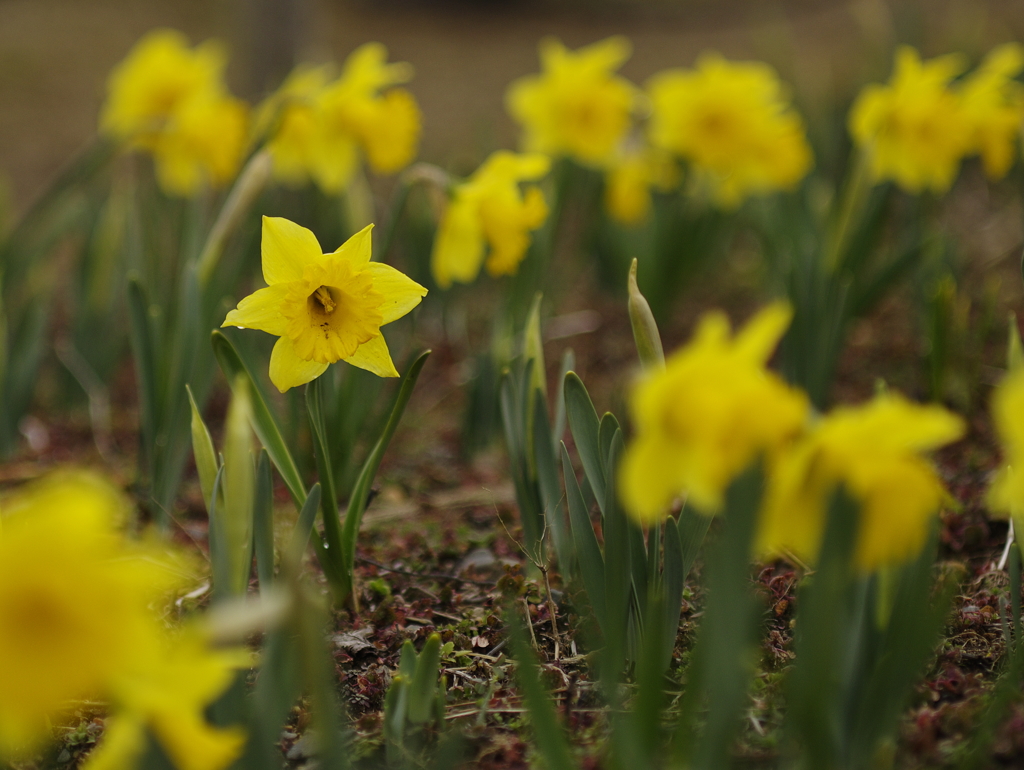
[263, 421]
[203, 451]
[549, 487]
[238, 485]
[263, 522]
[558, 426]
[329, 551]
[588, 552]
[304, 525]
[361, 491]
[672, 583]
[585, 426]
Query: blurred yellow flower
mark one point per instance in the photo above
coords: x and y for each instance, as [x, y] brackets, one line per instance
[166, 694]
[158, 75]
[489, 209]
[994, 105]
[913, 130]
[576, 106]
[629, 180]
[288, 117]
[1006, 495]
[171, 101]
[202, 143]
[75, 600]
[874, 451]
[733, 123]
[324, 307]
[708, 415]
[355, 114]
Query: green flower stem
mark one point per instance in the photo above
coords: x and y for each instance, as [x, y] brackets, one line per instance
[248, 186]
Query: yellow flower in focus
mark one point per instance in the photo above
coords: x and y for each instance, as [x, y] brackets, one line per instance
[75, 600]
[1006, 495]
[355, 114]
[202, 143]
[629, 180]
[708, 415]
[576, 106]
[158, 75]
[733, 123]
[167, 695]
[324, 307]
[489, 209]
[874, 451]
[914, 130]
[994, 105]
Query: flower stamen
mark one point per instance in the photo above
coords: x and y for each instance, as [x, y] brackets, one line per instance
[322, 302]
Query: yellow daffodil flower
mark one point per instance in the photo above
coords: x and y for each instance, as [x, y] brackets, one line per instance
[166, 696]
[489, 209]
[355, 114]
[994, 105]
[324, 307]
[1006, 495]
[201, 144]
[75, 600]
[158, 75]
[914, 130]
[576, 106]
[288, 117]
[629, 180]
[171, 101]
[874, 451]
[708, 415]
[732, 122]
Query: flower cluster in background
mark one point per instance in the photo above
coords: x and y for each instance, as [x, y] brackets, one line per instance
[916, 129]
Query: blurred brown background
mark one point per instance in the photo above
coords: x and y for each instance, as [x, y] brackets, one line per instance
[55, 54]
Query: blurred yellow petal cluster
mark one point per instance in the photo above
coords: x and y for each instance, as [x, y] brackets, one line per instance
[171, 100]
[166, 696]
[732, 122]
[629, 181]
[708, 415]
[323, 127]
[993, 103]
[1006, 494]
[324, 307]
[913, 130]
[490, 210]
[875, 452]
[576, 106]
[79, 619]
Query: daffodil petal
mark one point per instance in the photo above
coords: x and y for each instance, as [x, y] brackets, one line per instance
[124, 740]
[195, 745]
[261, 310]
[287, 370]
[401, 293]
[287, 248]
[373, 356]
[758, 339]
[649, 479]
[358, 249]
